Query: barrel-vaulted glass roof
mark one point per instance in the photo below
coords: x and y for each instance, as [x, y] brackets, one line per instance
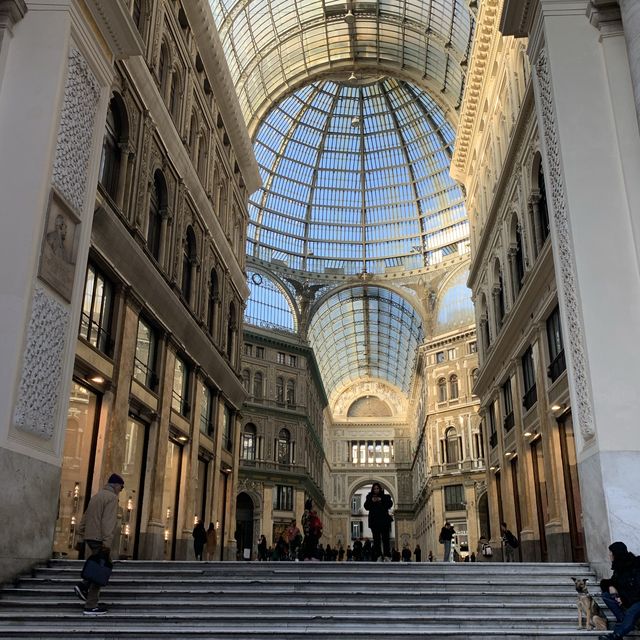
[356, 178]
[366, 332]
[274, 46]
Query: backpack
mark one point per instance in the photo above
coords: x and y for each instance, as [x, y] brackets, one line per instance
[315, 526]
[512, 541]
[487, 551]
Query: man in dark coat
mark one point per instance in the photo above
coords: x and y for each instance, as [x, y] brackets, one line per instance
[446, 536]
[621, 592]
[378, 504]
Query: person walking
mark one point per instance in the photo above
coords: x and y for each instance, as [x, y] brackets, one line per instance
[484, 552]
[378, 503]
[621, 592]
[199, 539]
[509, 543]
[212, 541]
[293, 538]
[97, 528]
[406, 553]
[417, 552]
[446, 536]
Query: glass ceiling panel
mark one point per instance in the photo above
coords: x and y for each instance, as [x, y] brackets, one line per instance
[356, 177]
[269, 42]
[366, 331]
[268, 304]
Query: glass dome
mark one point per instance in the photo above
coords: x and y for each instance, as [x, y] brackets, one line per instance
[455, 306]
[356, 179]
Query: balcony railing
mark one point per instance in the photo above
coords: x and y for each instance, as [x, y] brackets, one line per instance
[557, 366]
[509, 421]
[530, 398]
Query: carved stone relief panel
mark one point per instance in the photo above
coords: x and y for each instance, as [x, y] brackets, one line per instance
[566, 267]
[39, 389]
[81, 97]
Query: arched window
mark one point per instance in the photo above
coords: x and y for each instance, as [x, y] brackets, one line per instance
[157, 205]
[163, 69]
[212, 304]
[452, 446]
[189, 257]
[231, 331]
[442, 390]
[453, 387]
[543, 209]
[279, 390]
[284, 447]
[474, 378]
[193, 135]
[498, 296]
[291, 393]
[257, 386]
[202, 156]
[139, 15]
[174, 97]
[111, 156]
[248, 450]
[246, 380]
[519, 260]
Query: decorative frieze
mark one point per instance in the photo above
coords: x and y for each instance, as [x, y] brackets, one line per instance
[39, 389]
[81, 97]
[566, 267]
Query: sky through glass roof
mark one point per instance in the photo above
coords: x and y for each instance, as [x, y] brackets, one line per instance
[356, 178]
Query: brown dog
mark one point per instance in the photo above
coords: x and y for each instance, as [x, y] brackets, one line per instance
[587, 608]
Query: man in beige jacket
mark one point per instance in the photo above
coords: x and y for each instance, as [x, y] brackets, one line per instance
[97, 528]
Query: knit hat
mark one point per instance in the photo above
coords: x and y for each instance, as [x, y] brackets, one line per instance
[618, 549]
[114, 478]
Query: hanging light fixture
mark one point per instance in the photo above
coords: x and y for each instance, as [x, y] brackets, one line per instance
[355, 121]
[353, 77]
[349, 18]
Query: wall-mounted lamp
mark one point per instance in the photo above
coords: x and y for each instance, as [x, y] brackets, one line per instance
[98, 379]
[558, 407]
[527, 434]
[183, 439]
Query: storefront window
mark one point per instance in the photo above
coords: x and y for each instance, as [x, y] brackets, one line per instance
[133, 474]
[170, 498]
[77, 468]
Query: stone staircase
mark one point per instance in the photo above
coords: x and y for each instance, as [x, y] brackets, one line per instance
[277, 600]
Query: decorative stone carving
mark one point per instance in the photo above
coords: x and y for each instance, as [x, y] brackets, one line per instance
[566, 266]
[81, 97]
[39, 389]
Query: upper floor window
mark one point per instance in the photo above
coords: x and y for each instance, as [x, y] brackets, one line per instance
[283, 498]
[175, 94]
[293, 361]
[246, 380]
[284, 447]
[529, 379]
[473, 347]
[95, 323]
[248, 442]
[248, 349]
[454, 498]
[189, 258]
[451, 354]
[453, 387]
[111, 154]
[519, 260]
[232, 329]
[163, 68]
[508, 405]
[440, 357]
[281, 358]
[491, 417]
[260, 352]
[543, 209]
[557, 363]
[227, 428]
[442, 390]
[180, 393]
[212, 304]
[279, 390]
[206, 411]
[498, 293]
[291, 393]
[257, 386]
[138, 15]
[144, 366]
[452, 443]
[157, 207]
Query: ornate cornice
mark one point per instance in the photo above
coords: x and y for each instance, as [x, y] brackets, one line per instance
[516, 18]
[117, 27]
[486, 30]
[215, 63]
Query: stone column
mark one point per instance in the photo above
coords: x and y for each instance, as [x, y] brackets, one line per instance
[587, 155]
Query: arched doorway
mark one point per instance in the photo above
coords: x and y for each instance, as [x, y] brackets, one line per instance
[359, 531]
[484, 523]
[244, 526]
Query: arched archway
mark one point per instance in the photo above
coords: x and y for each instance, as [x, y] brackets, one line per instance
[244, 526]
[484, 522]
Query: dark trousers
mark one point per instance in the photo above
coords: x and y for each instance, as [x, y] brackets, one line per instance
[381, 537]
[626, 618]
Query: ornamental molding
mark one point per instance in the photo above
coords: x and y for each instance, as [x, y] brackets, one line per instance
[566, 269]
[39, 390]
[117, 27]
[215, 63]
[486, 29]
